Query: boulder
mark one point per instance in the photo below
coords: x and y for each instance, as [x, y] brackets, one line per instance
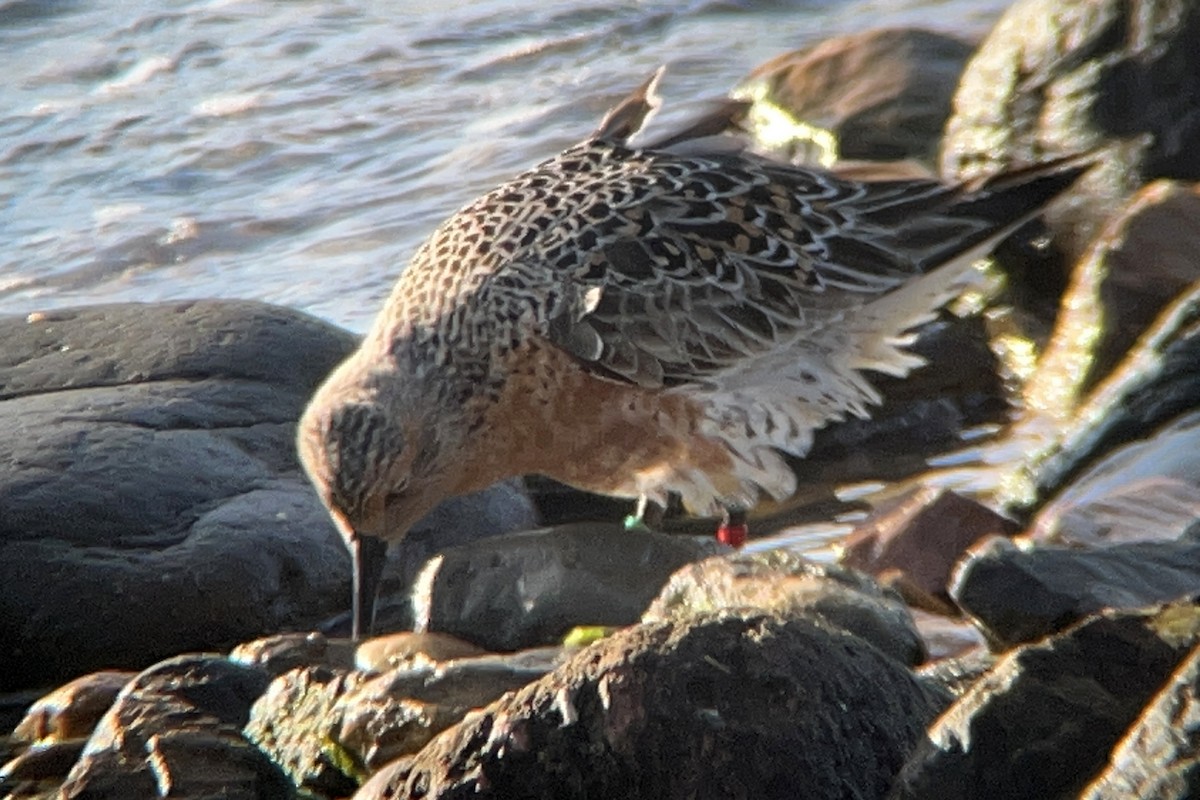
[1018, 595]
[791, 585]
[716, 706]
[1042, 722]
[176, 729]
[529, 589]
[879, 95]
[152, 498]
[1057, 78]
[1159, 756]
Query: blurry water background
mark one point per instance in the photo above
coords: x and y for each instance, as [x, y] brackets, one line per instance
[298, 152]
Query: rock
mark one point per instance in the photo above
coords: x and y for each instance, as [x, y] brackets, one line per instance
[382, 653]
[72, 711]
[880, 95]
[1142, 262]
[147, 461]
[1146, 490]
[791, 585]
[529, 589]
[719, 706]
[294, 723]
[1041, 723]
[176, 728]
[331, 728]
[1059, 78]
[919, 538]
[946, 636]
[1017, 595]
[957, 674]
[39, 771]
[1159, 757]
[284, 652]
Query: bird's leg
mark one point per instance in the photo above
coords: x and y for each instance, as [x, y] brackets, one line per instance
[647, 516]
[733, 529]
[367, 555]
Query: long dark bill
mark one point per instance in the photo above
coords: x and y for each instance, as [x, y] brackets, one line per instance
[367, 556]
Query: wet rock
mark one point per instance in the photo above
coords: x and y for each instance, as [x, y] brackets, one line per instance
[284, 652]
[1146, 490]
[1142, 262]
[177, 728]
[880, 95]
[529, 589]
[791, 585]
[330, 728]
[147, 461]
[1018, 595]
[72, 710]
[719, 706]
[294, 723]
[913, 543]
[1159, 756]
[1058, 78]
[1041, 723]
[946, 636]
[959, 673]
[408, 647]
[39, 771]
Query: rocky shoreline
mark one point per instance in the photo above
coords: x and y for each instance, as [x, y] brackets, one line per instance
[1016, 621]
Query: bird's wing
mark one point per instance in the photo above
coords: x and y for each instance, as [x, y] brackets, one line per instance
[729, 257]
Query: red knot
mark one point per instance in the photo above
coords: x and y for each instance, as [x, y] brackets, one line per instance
[642, 320]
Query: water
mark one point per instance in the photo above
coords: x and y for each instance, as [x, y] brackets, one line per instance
[298, 152]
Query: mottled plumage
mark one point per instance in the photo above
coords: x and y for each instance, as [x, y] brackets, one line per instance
[643, 320]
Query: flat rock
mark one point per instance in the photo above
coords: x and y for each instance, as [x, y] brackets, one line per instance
[72, 710]
[791, 585]
[147, 461]
[880, 95]
[1041, 723]
[1018, 595]
[1159, 756]
[707, 707]
[1146, 490]
[177, 728]
[915, 541]
[529, 589]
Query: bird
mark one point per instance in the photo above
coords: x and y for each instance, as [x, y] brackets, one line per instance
[642, 319]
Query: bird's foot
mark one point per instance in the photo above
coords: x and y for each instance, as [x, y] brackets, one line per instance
[733, 529]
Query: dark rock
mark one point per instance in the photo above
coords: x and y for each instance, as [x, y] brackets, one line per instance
[329, 728]
[529, 589]
[1041, 723]
[294, 723]
[1020, 595]
[39, 771]
[879, 95]
[721, 706]
[147, 462]
[1159, 756]
[788, 584]
[921, 536]
[176, 728]
[1058, 78]
[1146, 490]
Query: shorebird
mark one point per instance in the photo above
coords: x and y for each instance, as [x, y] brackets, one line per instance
[638, 320]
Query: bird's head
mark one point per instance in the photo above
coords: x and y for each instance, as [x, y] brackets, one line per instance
[374, 466]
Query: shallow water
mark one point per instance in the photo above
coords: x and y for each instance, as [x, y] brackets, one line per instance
[299, 152]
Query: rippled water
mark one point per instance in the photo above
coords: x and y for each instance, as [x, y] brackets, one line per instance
[298, 152]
